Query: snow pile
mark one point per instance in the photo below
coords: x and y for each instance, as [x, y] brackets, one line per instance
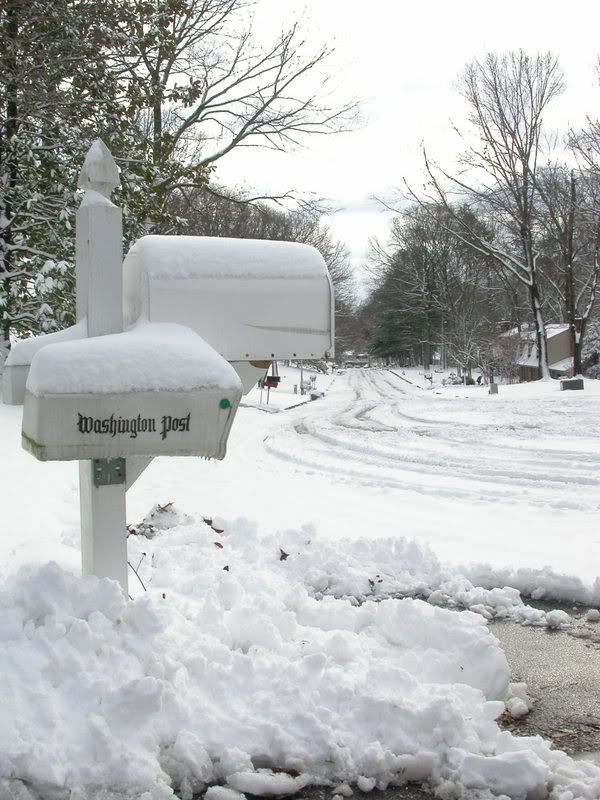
[519, 703]
[165, 517]
[231, 669]
[539, 584]
[558, 619]
[364, 569]
[148, 357]
[159, 518]
[338, 657]
[187, 257]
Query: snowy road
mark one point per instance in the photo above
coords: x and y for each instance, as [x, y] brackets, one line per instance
[385, 432]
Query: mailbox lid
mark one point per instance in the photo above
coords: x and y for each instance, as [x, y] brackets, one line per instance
[250, 299]
[153, 390]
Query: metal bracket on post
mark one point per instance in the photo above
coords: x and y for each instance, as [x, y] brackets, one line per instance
[109, 471]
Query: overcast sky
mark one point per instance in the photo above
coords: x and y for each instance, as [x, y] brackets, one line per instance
[401, 61]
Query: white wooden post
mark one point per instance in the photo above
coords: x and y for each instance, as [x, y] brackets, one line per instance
[99, 273]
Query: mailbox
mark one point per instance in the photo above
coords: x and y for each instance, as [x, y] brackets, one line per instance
[252, 300]
[16, 366]
[157, 389]
[203, 318]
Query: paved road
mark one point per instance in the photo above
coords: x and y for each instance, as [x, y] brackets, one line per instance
[377, 428]
[562, 671]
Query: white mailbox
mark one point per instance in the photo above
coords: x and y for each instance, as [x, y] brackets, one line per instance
[18, 363]
[252, 300]
[156, 389]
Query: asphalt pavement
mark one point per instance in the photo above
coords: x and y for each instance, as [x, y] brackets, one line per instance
[562, 672]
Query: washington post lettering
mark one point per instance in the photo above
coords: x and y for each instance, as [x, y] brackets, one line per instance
[115, 425]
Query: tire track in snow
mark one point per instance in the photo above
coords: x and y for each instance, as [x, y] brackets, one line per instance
[355, 441]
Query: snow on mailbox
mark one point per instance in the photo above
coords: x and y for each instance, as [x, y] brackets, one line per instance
[251, 300]
[157, 389]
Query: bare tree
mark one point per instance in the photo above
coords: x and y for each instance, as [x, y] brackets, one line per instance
[194, 68]
[586, 143]
[569, 216]
[508, 97]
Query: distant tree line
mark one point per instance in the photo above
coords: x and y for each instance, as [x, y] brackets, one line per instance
[509, 238]
[172, 87]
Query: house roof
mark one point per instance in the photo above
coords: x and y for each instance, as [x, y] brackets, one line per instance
[563, 365]
[527, 332]
[531, 360]
[555, 328]
[528, 357]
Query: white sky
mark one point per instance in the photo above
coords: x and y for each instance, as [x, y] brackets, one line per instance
[401, 61]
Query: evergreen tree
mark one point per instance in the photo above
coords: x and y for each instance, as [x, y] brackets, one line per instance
[56, 95]
[432, 292]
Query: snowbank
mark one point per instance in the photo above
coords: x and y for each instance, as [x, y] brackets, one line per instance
[230, 666]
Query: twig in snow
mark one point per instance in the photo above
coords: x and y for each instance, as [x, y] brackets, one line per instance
[137, 575]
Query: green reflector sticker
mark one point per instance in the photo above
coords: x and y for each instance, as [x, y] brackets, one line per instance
[224, 403]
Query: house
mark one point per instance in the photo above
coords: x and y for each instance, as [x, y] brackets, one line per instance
[518, 345]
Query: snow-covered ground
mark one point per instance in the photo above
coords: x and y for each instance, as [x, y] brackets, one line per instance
[254, 645]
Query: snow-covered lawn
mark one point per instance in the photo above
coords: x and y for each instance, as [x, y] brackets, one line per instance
[254, 644]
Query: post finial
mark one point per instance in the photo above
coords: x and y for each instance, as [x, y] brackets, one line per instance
[99, 171]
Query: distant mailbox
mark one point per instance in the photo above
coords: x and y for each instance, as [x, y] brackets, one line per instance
[249, 299]
[571, 383]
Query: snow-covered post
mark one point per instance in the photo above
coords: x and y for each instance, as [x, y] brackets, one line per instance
[99, 272]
